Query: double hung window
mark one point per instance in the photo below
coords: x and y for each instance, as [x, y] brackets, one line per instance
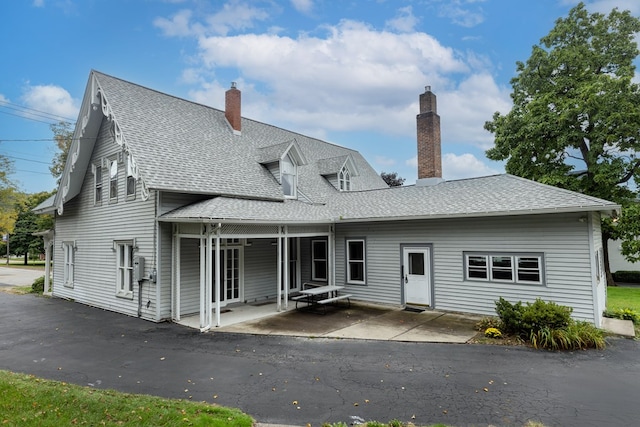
[356, 261]
[288, 176]
[124, 265]
[319, 260]
[69, 262]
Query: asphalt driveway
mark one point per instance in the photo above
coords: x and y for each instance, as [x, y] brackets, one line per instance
[329, 379]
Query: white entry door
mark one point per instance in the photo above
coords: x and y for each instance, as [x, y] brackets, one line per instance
[417, 275]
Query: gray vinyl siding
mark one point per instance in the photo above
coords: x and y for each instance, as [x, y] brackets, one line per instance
[260, 270]
[189, 276]
[164, 269]
[563, 239]
[94, 230]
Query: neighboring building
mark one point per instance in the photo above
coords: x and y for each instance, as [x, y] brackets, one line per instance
[168, 208]
[617, 261]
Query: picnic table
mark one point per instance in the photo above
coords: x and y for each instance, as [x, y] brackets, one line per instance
[322, 295]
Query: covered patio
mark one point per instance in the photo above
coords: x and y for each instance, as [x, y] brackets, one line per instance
[229, 272]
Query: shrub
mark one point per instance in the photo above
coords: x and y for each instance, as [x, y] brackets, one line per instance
[624, 314]
[493, 333]
[626, 276]
[543, 314]
[522, 319]
[510, 315]
[488, 322]
[37, 287]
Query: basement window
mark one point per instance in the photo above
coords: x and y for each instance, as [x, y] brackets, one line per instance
[509, 268]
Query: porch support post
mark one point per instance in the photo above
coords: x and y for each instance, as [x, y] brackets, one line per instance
[286, 267]
[207, 287]
[332, 256]
[217, 274]
[203, 280]
[48, 245]
[279, 281]
[175, 297]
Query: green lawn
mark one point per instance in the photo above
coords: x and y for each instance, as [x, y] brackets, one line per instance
[29, 401]
[619, 297]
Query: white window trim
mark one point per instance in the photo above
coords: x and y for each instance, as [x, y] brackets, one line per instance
[124, 287]
[314, 276]
[113, 198]
[130, 176]
[344, 179]
[68, 249]
[294, 184]
[98, 185]
[363, 261]
[488, 256]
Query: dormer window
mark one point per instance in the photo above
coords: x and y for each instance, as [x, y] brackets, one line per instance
[288, 176]
[344, 179]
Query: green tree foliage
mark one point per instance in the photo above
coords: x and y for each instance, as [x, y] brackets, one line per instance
[63, 135]
[22, 241]
[392, 179]
[575, 121]
[8, 196]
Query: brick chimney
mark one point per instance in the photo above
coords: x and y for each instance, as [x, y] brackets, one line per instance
[429, 154]
[232, 108]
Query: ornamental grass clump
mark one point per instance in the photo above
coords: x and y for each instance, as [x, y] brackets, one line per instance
[548, 325]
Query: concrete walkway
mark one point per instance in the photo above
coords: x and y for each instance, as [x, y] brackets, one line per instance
[365, 321]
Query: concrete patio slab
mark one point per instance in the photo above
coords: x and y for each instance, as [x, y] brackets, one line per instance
[619, 327]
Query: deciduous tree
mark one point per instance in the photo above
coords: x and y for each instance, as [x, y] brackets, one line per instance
[575, 121]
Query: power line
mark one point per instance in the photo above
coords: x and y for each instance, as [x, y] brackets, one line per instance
[40, 173]
[29, 110]
[28, 160]
[27, 140]
[25, 117]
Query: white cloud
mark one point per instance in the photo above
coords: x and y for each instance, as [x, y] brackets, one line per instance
[51, 99]
[233, 16]
[352, 78]
[461, 12]
[464, 166]
[302, 6]
[464, 110]
[404, 22]
[178, 25]
[38, 3]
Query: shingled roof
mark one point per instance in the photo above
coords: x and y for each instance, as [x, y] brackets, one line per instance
[184, 146]
[497, 195]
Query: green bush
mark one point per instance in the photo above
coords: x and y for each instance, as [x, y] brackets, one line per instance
[624, 314]
[510, 315]
[626, 276]
[37, 287]
[522, 319]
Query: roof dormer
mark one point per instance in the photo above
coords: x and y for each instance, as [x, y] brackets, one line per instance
[339, 171]
[283, 160]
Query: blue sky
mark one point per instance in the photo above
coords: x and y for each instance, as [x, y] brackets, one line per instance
[349, 72]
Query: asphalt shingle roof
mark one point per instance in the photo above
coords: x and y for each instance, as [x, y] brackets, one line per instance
[486, 196]
[183, 146]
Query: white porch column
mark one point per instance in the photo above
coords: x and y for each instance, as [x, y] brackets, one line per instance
[175, 293]
[217, 274]
[279, 280]
[48, 246]
[207, 288]
[332, 256]
[203, 278]
[285, 284]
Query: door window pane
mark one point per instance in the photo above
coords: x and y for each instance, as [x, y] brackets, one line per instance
[416, 263]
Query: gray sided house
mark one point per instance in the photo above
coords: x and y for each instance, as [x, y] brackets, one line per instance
[168, 209]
